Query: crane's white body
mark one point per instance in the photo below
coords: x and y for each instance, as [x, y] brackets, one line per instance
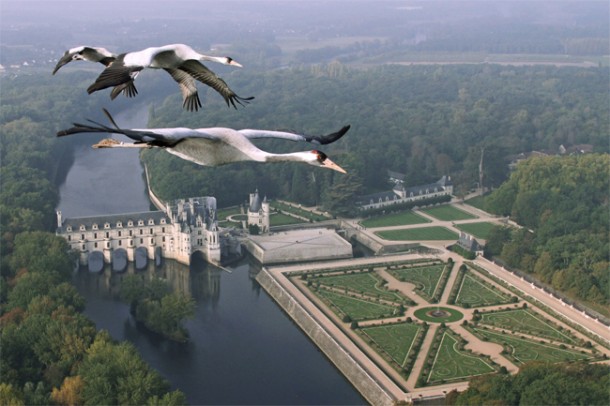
[169, 56]
[181, 62]
[213, 146]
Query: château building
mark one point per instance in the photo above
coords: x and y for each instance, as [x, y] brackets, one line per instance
[185, 226]
[401, 194]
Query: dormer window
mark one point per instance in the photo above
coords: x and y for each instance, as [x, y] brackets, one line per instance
[130, 223]
[82, 227]
[69, 229]
[140, 223]
[107, 225]
[162, 221]
[119, 224]
[151, 222]
[94, 227]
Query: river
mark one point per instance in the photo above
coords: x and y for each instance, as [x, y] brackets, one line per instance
[244, 349]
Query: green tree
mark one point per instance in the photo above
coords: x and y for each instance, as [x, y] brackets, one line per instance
[40, 252]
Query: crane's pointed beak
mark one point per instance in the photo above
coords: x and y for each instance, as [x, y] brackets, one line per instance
[64, 60]
[233, 63]
[331, 165]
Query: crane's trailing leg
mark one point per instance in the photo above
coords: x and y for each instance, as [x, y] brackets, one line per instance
[112, 143]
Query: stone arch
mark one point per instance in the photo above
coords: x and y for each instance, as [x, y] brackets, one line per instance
[141, 257]
[119, 260]
[95, 261]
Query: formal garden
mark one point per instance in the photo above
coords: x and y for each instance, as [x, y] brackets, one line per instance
[395, 323]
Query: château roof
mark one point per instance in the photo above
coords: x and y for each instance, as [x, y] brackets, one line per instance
[113, 221]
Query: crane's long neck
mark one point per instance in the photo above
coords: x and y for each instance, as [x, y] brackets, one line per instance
[290, 157]
[218, 59]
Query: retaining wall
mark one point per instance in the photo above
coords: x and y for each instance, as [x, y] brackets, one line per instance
[362, 381]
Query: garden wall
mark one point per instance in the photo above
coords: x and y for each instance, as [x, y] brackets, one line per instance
[362, 381]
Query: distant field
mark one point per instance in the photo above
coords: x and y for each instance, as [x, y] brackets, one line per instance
[421, 233]
[479, 230]
[396, 219]
[448, 212]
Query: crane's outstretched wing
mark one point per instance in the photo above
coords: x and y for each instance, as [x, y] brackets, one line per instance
[201, 73]
[128, 89]
[114, 75]
[163, 137]
[314, 139]
[188, 87]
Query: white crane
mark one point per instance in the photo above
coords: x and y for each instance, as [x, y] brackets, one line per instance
[181, 62]
[212, 146]
[96, 54]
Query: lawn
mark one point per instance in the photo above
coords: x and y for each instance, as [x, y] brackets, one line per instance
[426, 278]
[367, 283]
[222, 214]
[280, 219]
[524, 350]
[477, 201]
[418, 234]
[523, 321]
[395, 219]
[479, 230]
[474, 292]
[356, 309]
[448, 212]
[452, 364]
[396, 340]
[298, 211]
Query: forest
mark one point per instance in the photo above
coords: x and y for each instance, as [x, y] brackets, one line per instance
[51, 353]
[423, 121]
[562, 203]
[539, 383]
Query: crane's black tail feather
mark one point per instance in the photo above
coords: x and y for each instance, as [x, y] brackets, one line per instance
[98, 128]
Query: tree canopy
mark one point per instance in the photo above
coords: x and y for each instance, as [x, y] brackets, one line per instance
[564, 202]
[540, 384]
[424, 121]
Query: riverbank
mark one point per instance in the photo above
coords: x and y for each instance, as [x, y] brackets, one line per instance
[352, 369]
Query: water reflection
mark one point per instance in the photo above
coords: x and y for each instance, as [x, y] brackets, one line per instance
[200, 280]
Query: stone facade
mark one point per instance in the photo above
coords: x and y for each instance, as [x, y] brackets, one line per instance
[401, 194]
[258, 213]
[185, 226]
